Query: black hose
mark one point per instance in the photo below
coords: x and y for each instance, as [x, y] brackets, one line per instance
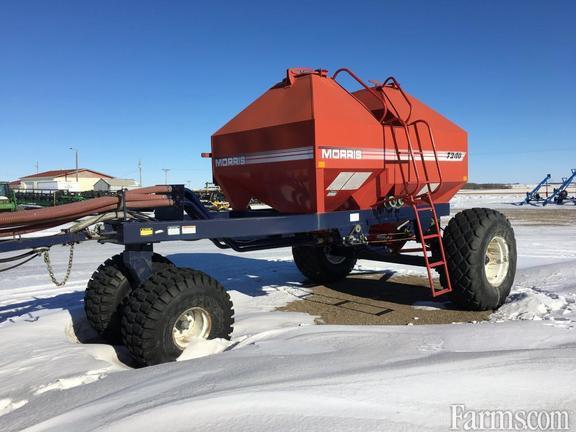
[20, 263]
[18, 257]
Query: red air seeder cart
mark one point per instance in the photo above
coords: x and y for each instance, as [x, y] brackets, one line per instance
[346, 176]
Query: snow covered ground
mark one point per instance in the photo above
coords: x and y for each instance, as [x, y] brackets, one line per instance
[504, 198]
[280, 371]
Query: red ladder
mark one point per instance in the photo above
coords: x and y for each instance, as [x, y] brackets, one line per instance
[422, 192]
[425, 240]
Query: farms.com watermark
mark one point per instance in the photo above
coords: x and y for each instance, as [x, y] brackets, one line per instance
[465, 419]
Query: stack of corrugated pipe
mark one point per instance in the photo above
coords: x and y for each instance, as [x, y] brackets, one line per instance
[22, 222]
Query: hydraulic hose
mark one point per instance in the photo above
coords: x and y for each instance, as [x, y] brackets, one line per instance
[34, 220]
[85, 207]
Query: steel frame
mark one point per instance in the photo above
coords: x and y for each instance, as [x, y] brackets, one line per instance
[189, 220]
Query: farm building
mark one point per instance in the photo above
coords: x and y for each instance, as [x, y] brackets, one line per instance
[67, 179]
[114, 184]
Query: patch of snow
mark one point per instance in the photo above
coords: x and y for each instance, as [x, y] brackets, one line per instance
[202, 348]
[7, 405]
[71, 382]
[429, 305]
[326, 378]
[546, 292]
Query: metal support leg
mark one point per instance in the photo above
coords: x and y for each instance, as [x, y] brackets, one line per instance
[138, 260]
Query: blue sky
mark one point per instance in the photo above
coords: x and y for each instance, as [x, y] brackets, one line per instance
[150, 80]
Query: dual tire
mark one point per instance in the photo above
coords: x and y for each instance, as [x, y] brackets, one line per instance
[173, 306]
[159, 318]
[107, 292]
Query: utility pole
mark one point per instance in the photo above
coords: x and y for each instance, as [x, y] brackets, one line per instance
[77, 157]
[188, 182]
[37, 169]
[166, 170]
[140, 172]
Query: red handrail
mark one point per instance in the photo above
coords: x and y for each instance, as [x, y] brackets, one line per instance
[363, 84]
[395, 85]
[433, 144]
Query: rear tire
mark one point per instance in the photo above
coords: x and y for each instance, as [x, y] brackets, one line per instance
[481, 255]
[106, 292]
[152, 328]
[318, 265]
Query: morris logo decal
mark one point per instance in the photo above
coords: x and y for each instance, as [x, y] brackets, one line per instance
[341, 154]
[231, 161]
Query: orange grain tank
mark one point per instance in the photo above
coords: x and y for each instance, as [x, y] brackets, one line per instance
[308, 145]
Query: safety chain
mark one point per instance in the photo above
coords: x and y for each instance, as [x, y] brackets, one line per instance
[46, 256]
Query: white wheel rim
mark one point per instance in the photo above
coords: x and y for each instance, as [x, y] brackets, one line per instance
[497, 261]
[192, 323]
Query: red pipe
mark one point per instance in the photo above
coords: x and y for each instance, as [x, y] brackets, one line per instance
[151, 189]
[44, 224]
[78, 209]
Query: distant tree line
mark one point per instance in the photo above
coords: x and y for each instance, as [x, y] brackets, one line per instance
[479, 186]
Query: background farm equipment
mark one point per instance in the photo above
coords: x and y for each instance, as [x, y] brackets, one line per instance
[559, 194]
[46, 197]
[211, 196]
[8, 201]
[534, 194]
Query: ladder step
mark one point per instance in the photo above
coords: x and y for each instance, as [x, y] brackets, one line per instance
[423, 209]
[436, 264]
[413, 250]
[431, 236]
[439, 292]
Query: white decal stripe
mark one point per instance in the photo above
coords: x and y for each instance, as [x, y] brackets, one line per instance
[392, 152]
[271, 156]
[279, 155]
[281, 151]
[278, 159]
[372, 154]
[405, 153]
[356, 180]
[340, 180]
[406, 158]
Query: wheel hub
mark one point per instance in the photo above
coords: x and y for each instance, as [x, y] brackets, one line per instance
[192, 323]
[333, 259]
[497, 261]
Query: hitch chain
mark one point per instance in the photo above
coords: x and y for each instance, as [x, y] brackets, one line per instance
[46, 256]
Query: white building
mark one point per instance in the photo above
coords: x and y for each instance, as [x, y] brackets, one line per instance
[70, 179]
[114, 185]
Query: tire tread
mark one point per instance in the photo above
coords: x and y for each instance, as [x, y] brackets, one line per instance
[144, 309]
[462, 240]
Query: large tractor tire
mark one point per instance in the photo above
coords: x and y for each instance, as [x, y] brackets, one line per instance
[176, 305]
[320, 266]
[106, 292]
[481, 255]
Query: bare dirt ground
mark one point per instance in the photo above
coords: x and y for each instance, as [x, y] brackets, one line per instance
[379, 299]
[552, 215]
[394, 299]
